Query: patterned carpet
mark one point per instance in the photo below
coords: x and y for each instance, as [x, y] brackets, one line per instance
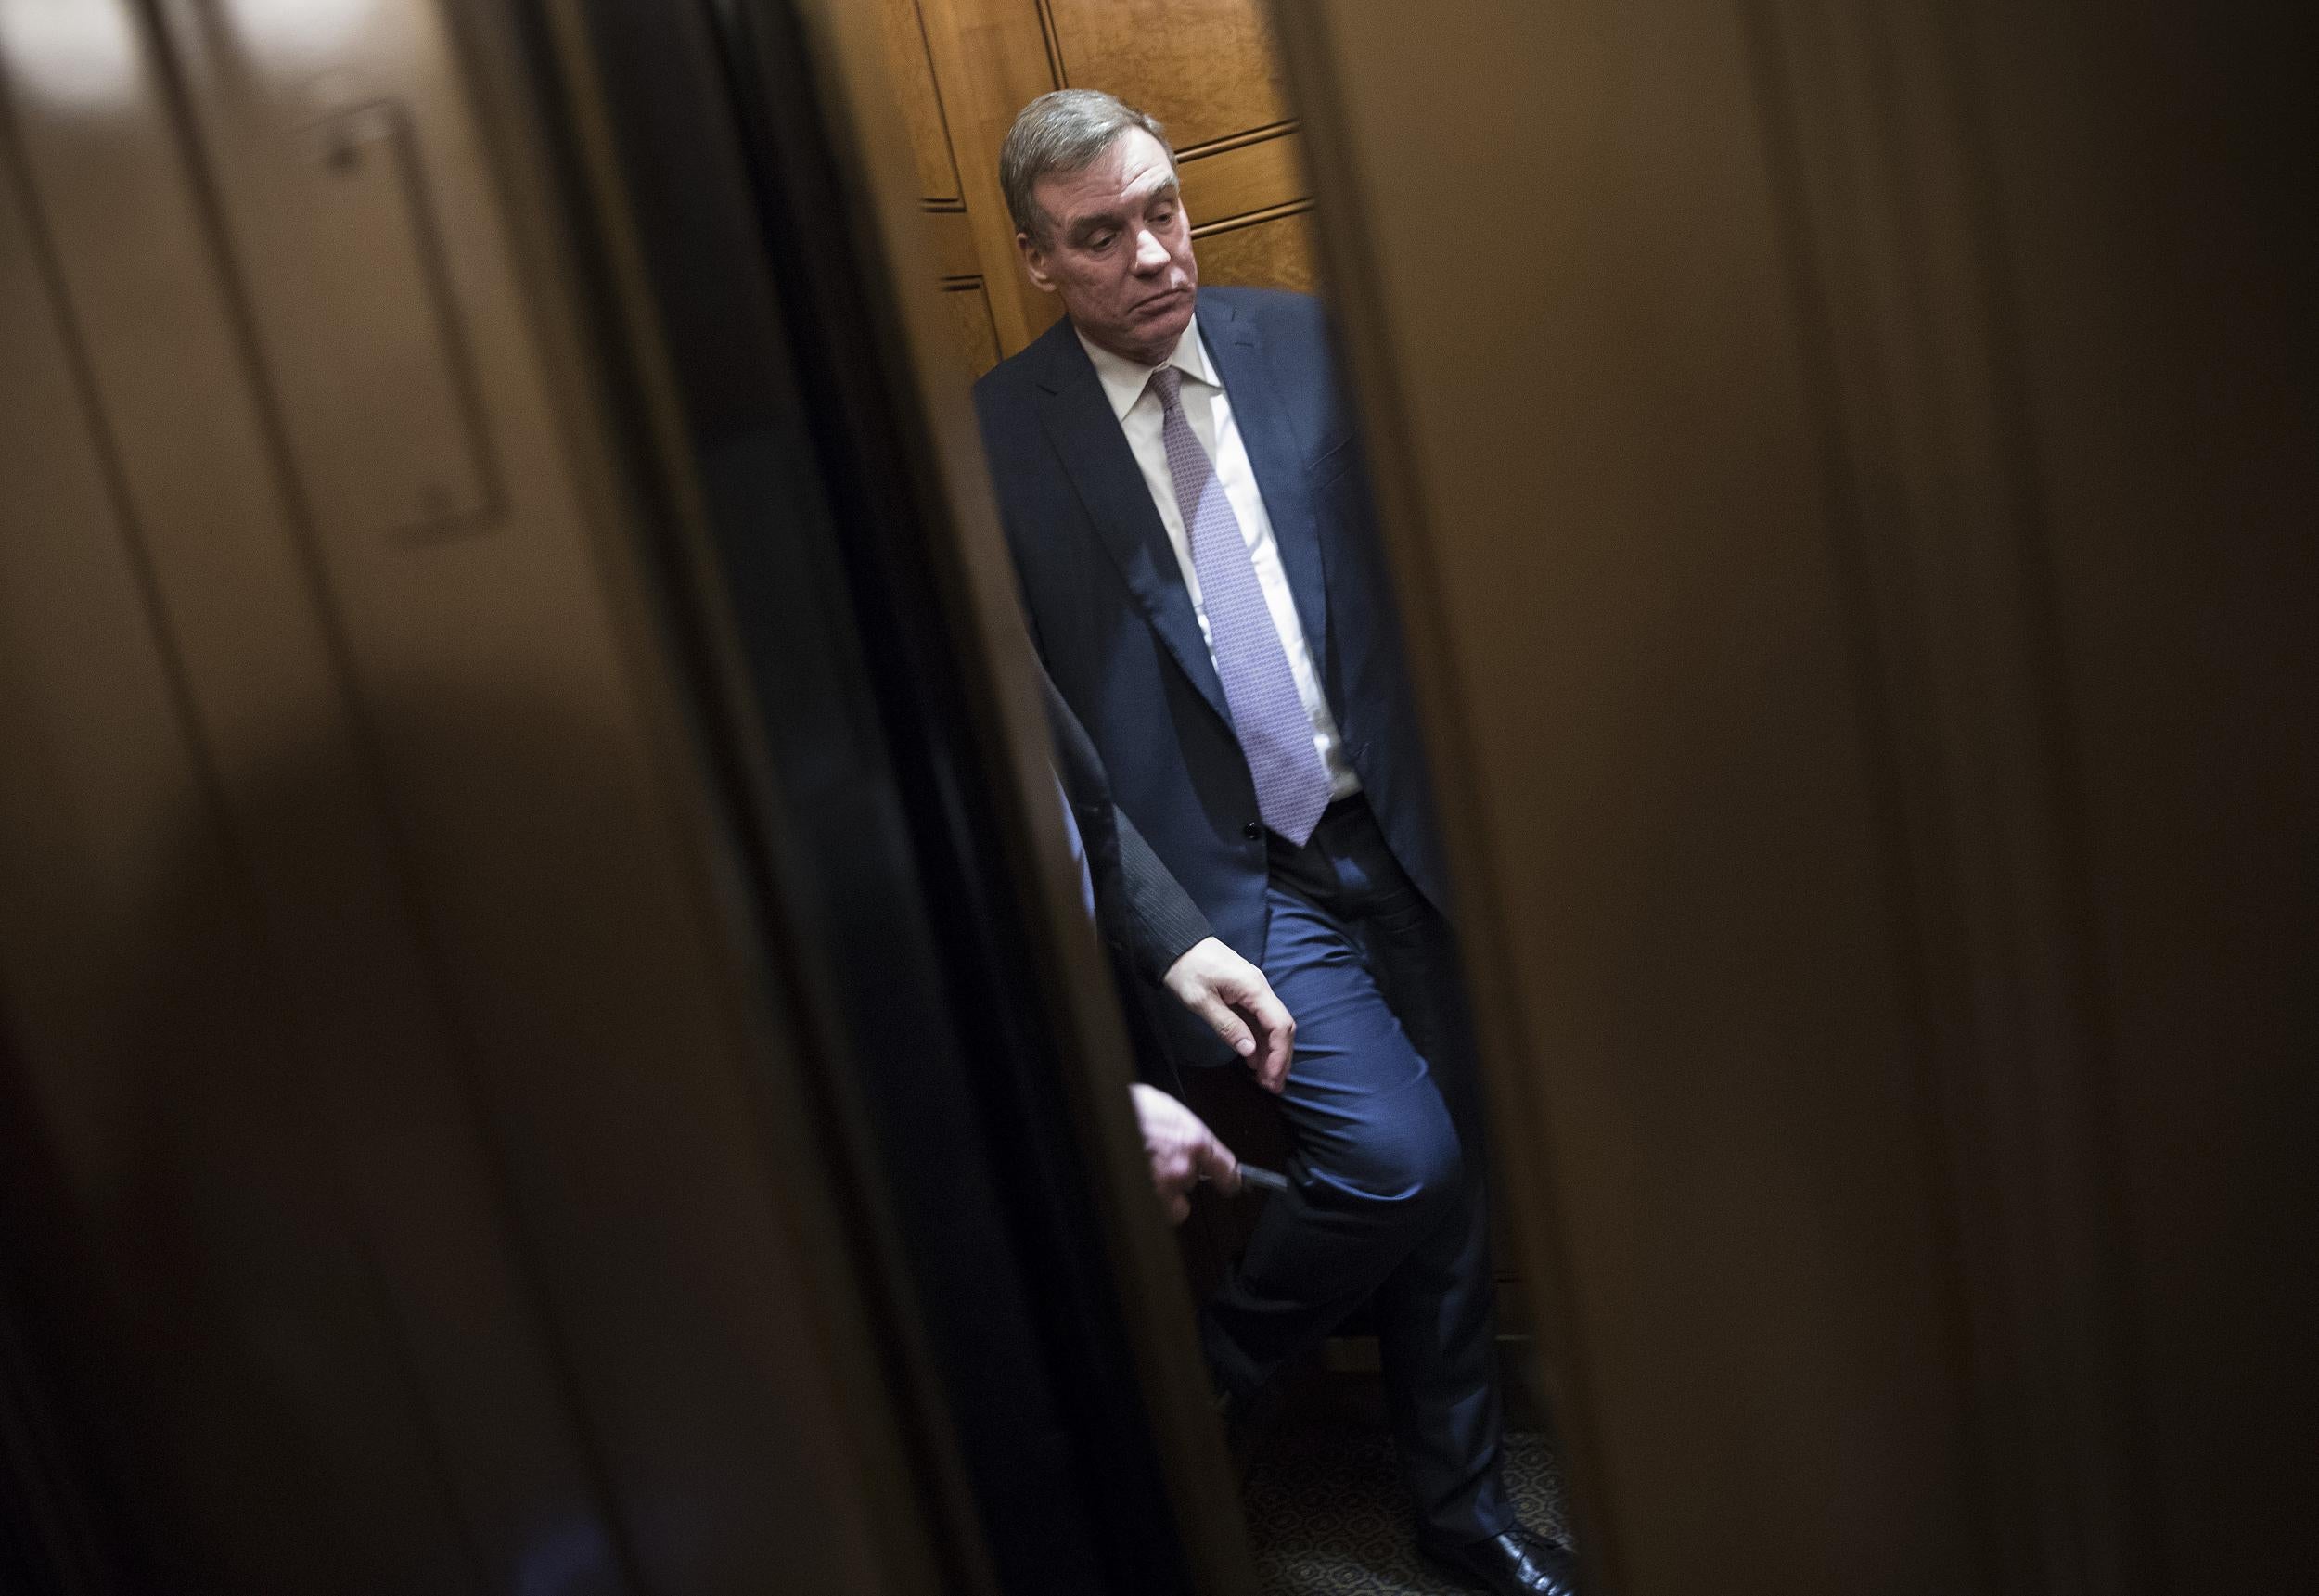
[1327, 1517]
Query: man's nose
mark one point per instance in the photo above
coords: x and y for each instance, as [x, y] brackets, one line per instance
[1150, 254]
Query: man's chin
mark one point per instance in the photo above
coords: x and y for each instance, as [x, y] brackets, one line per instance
[1165, 322]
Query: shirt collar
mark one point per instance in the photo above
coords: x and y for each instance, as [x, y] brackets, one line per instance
[1125, 380]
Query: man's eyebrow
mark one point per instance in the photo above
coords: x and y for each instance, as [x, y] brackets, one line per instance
[1083, 226]
[1168, 187]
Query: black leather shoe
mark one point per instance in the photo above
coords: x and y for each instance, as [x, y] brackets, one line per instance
[1515, 1563]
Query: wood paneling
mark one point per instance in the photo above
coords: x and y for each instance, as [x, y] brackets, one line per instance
[991, 60]
[1244, 179]
[951, 245]
[970, 307]
[913, 71]
[1277, 253]
[1205, 67]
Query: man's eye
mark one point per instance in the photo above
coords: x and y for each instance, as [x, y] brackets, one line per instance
[1101, 240]
[1165, 214]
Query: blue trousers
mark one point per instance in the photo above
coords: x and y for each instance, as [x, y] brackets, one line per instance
[1387, 1196]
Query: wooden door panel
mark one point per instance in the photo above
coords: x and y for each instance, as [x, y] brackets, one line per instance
[1244, 179]
[950, 242]
[921, 101]
[990, 60]
[1205, 67]
[1250, 214]
[1276, 252]
[970, 307]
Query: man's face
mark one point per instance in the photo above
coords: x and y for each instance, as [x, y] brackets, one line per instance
[1119, 250]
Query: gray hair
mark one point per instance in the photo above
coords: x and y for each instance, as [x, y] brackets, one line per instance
[1062, 131]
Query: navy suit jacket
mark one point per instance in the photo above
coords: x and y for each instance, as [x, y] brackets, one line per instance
[1110, 617]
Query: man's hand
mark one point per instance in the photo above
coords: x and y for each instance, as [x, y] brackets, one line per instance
[1237, 1002]
[1180, 1150]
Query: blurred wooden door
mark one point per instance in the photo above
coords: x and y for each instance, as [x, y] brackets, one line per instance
[962, 69]
[1853, 472]
[411, 1186]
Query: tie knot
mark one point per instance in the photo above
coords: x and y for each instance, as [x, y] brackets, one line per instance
[1170, 383]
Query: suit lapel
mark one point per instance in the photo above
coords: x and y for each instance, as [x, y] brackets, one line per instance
[1077, 414]
[1259, 411]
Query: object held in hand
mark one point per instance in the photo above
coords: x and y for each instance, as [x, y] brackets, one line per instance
[1263, 1179]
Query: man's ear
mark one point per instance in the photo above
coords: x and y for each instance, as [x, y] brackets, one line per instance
[1034, 263]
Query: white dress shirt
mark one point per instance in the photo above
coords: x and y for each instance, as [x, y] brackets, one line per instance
[1206, 405]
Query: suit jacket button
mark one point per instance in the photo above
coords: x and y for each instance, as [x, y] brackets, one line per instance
[1252, 830]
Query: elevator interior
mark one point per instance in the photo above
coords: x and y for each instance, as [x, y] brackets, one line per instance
[544, 1042]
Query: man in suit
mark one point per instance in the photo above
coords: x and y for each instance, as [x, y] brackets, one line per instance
[1184, 494]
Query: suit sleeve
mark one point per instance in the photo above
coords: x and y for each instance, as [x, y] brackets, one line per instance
[1160, 922]
[1139, 904]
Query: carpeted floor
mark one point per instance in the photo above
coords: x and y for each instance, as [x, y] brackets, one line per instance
[1327, 1517]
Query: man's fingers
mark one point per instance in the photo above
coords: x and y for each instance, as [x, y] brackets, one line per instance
[1270, 1062]
[1216, 1162]
[1181, 1151]
[1272, 1068]
[1270, 1018]
[1227, 1025]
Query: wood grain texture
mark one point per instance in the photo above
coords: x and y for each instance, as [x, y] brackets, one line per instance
[991, 59]
[970, 307]
[1245, 179]
[1205, 67]
[950, 244]
[913, 73]
[1277, 253]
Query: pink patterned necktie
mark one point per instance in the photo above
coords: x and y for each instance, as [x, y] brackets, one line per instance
[1276, 734]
